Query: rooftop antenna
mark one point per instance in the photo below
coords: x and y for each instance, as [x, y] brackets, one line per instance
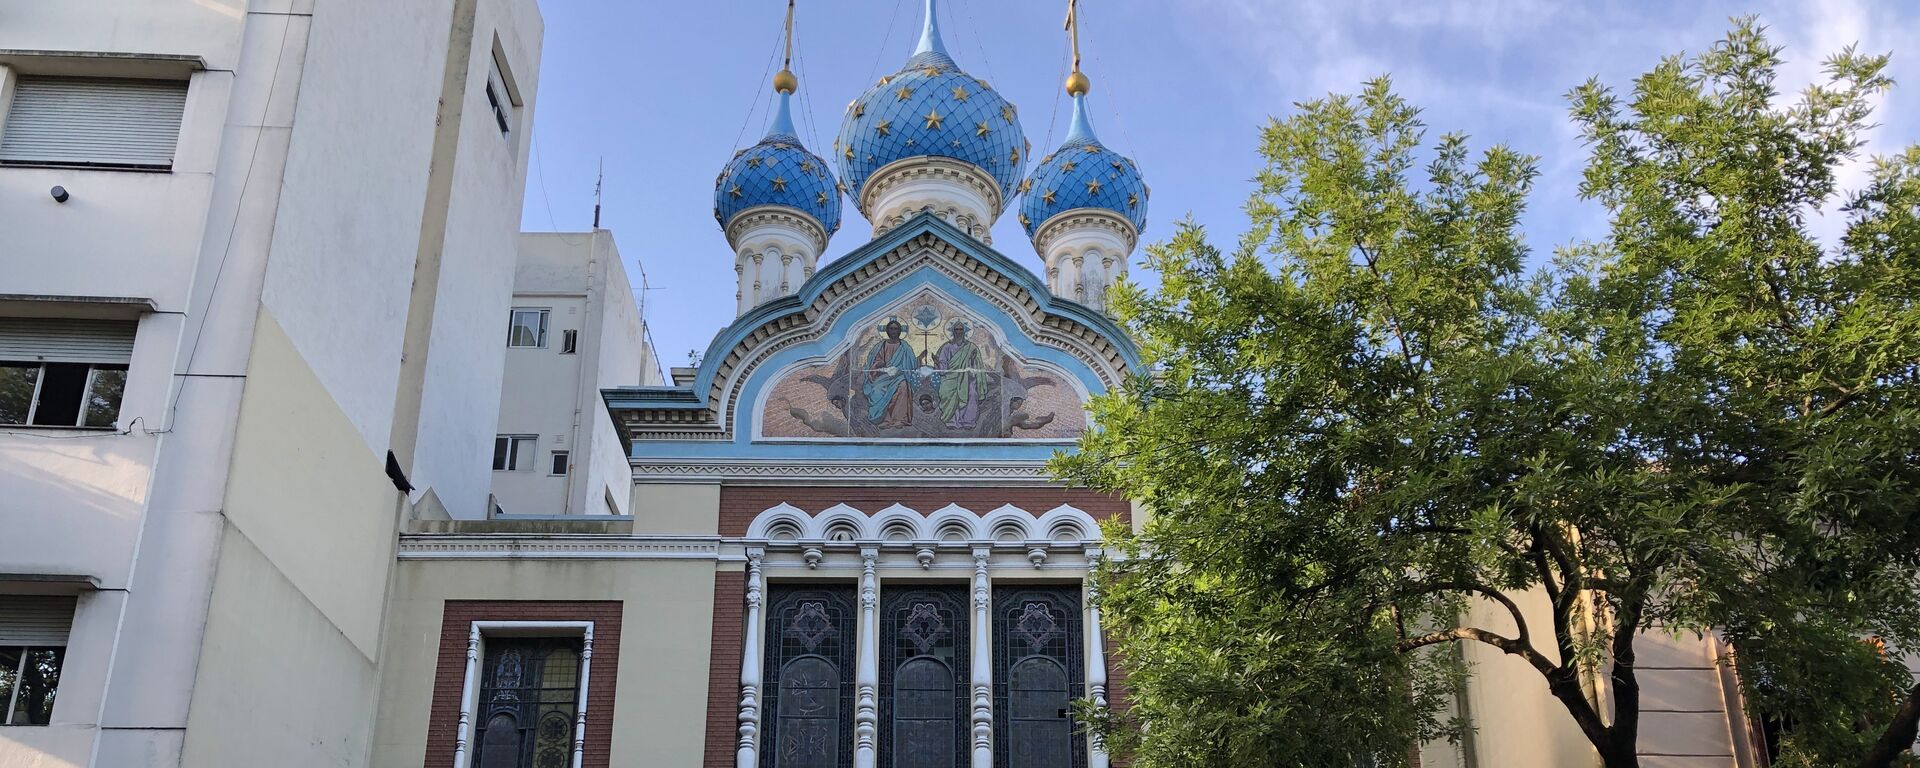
[598, 179]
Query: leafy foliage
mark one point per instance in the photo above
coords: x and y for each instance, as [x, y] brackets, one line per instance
[1368, 423]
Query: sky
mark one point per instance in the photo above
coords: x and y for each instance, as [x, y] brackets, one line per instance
[660, 94]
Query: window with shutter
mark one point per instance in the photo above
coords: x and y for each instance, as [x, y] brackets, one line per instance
[63, 372]
[93, 122]
[33, 646]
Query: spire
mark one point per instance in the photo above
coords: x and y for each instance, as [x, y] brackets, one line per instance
[1081, 130]
[783, 119]
[930, 32]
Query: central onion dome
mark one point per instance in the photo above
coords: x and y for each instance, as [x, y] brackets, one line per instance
[931, 138]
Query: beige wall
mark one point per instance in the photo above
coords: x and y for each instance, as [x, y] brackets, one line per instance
[302, 574]
[691, 509]
[665, 642]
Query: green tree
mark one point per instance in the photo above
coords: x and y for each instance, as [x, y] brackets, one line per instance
[1370, 417]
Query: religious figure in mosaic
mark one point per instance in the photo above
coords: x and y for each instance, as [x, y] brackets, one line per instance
[929, 368]
[889, 373]
[960, 376]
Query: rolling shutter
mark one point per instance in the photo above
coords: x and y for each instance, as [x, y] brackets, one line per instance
[35, 619]
[62, 340]
[88, 121]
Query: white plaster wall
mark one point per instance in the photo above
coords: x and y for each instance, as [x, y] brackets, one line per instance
[537, 397]
[345, 239]
[660, 713]
[463, 371]
[1518, 720]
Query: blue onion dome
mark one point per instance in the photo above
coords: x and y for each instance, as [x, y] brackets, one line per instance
[778, 171]
[1083, 173]
[931, 108]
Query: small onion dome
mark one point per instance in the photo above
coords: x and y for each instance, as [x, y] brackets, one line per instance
[1083, 174]
[778, 171]
[931, 108]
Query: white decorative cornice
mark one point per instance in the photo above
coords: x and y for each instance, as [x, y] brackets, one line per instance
[850, 472]
[1083, 218]
[776, 215]
[932, 168]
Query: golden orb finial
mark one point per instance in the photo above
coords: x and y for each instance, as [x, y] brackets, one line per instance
[785, 81]
[1078, 84]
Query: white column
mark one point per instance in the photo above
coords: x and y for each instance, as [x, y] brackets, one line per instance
[982, 661]
[580, 703]
[1096, 661]
[464, 732]
[866, 707]
[750, 660]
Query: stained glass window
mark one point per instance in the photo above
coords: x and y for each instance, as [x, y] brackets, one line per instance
[529, 692]
[924, 668]
[1038, 672]
[808, 718]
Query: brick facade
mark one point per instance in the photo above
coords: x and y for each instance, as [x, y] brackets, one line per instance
[449, 675]
[723, 679]
[739, 504]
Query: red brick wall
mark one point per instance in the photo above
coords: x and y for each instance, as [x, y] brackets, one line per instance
[723, 677]
[740, 503]
[450, 671]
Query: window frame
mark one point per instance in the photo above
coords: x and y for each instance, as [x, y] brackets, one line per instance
[512, 454]
[540, 335]
[1071, 657]
[500, 94]
[836, 597]
[897, 650]
[184, 83]
[560, 460]
[86, 395]
[477, 632]
[569, 341]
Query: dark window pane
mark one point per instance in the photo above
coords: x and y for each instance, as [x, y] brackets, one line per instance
[808, 717]
[925, 704]
[16, 391]
[529, 699]
[103, 396]
[9, 677]
[39, 680]
[1038, 672]
[500, 446]
[60, 390]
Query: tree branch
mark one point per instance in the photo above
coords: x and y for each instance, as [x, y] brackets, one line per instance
[1899, 735]
[1476, 634]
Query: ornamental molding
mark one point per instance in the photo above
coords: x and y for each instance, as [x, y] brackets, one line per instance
[1084, 218]
[557, 546]
[930, 168]
[776, 215]
[850, 472]
[1063, 526]
[824, 314]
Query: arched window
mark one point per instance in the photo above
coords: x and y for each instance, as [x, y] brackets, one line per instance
[529, 690]
[1037, 674]
[924, 663]
[811, 637]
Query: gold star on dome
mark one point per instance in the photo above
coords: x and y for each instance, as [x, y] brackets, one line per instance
[981, 129]
[780, 183]
[1093, 187]
[983, 84]
[1026, 185]
[1048, 158]
[821, 198]
[1093, 149]
[840, 186]
[904, 93]
[930, 70]
[859, 108]
[849, 152]
[1006, 112]
[1068, 165]
[807, 166]
[883, 127]
[886, 79]
[753, 162]
[933, 118]
[1133, 200]
[960, 92]
[1117, 166]
[1015, 157]
[735, 191]
[1047, 198]
[1024, 221]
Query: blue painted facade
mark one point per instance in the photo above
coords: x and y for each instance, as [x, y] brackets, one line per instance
[1083, 173]
[749, 393]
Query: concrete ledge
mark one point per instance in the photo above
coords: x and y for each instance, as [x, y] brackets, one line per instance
[529, 524]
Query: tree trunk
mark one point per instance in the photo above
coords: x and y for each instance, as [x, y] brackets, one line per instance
[1619, 753]
[1899, 735]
